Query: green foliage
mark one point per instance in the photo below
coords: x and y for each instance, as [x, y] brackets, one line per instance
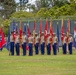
[44, 3]
[5, 25]
[9, 7]
[40, 13]
[52, 11]
[5, 31]
[55, 12]
[1, 21]
[22, 14]
[75, 14]
[41, 4]
[48, 3]
[60, 3]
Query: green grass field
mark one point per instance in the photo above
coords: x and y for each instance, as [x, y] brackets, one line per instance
[37, 64]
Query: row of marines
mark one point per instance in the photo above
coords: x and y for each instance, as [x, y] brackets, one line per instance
[39, 40]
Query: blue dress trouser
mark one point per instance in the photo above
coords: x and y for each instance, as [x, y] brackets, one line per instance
[30, 49]
[64, 48]
[12, 48]
[54, 49]
[17, 49]
[36, 48]
[24, 48]
[48, 49]
[42, 48]
[70, 47]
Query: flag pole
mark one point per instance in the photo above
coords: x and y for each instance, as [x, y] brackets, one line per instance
[68, 31]
[34, 28]
[58, 36]
[9, 39]
[51, 33]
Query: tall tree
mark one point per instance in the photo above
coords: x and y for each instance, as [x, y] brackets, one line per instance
[50, 3]
[9, 7]
[58, 3]
[41, 4]
[21, 5]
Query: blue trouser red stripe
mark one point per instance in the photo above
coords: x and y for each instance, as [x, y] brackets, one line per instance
[36, 48]
[12, 48]
[17, 49]
[48, 49]
[64, 48]
[42, 48]
[30, 49]
[24, 48]
[70, 47]
[54, 49]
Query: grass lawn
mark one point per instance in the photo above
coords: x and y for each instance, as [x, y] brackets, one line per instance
[38, 64]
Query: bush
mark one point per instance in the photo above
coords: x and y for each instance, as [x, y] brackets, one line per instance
[5, 25]
[21, 14]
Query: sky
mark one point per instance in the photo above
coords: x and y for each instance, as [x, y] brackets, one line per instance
[30, 1]
[17, 0]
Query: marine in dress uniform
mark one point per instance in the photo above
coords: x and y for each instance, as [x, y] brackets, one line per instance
[70, 42]
[24, 42]
[64, 44]
[42, 44]
[11, 44]
[36, 44]
[55, 40]
[48, 44]
[17, 44]
[30, 43]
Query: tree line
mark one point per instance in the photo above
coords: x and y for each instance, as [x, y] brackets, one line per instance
[41, 9]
